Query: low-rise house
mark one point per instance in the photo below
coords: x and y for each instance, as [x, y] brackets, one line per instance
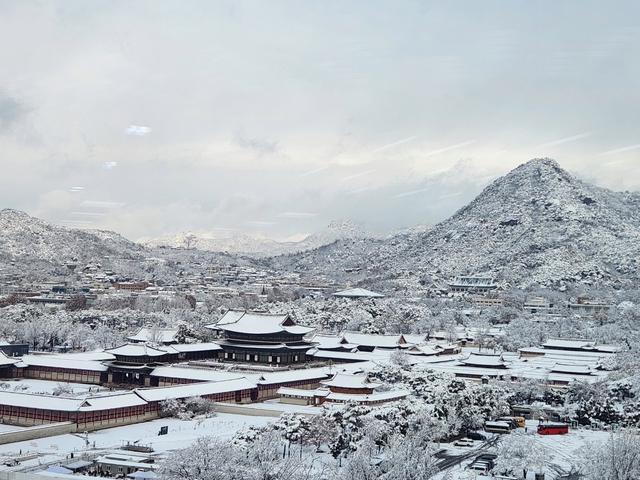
[483, 301]
[356, 293]
[585, 306]
[437, 349]
[539, 306]
[119, 464]
[472, 283]
[131, 286]
[14, 349]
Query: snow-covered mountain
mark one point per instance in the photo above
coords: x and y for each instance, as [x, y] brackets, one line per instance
[260, 246]
[537, 224]
[233, 243]
[27, 240]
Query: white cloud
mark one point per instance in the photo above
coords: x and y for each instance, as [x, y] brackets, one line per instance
[179, 118]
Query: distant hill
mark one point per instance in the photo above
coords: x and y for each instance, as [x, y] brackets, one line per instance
[537, 224]
[33, 243]
[259, 246]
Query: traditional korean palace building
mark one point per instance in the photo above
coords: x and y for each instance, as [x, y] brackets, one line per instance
[363, 342]
[95, 412]
[164, 336]
[134, 362]
[342, 388]
[556, 363]
[264, 338]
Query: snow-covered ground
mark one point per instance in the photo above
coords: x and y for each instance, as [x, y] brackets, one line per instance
[28, 385]
[9, 428]
[181, 435]
[562, 452]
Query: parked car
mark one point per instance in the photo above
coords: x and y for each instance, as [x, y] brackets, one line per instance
[476, 436]
[463, 442]
[483, 463]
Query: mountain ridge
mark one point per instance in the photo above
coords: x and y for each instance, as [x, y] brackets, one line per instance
[27, 239]
[260, 246]
[536, 224]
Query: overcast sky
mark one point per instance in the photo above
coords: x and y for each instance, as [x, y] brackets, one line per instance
[276, 117]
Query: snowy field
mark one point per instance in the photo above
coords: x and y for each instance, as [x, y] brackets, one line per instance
[565, 451]
[562, 452]
[181, 435]
[28, 385]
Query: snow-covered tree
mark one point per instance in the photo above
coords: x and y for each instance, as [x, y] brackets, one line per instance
[520, 453]
[616, 459]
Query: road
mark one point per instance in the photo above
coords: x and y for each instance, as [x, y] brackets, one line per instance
[451, 461]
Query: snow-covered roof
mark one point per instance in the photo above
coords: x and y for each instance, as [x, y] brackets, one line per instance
[197, 374]
[106, 402]
[156, 335]
[258, 323]
[498, 424]
[373, 340]
[560, 354]
[6, 361]
[344, 397]
[472, 280]
[488, 361]
[415, 338]
[369, 398]
[345, 380]
[568, 344]
[195, 347]
[358, 293]
[110, 460]
[97, 355]
[271, 346]
[573, 369]
[195, 389]
[63, 361]
[302, 392]
[294, 375]
[66, 404]
[42, 402]
[427, 350]
[328, 342]
[137, 350]
[376, 355]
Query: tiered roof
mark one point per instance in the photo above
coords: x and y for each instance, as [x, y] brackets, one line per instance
[345, 380]
[486, 361]
[157, 335]
[358, 293]
[258, 323]
[138, 350]
[7, 361]
[374, 340]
